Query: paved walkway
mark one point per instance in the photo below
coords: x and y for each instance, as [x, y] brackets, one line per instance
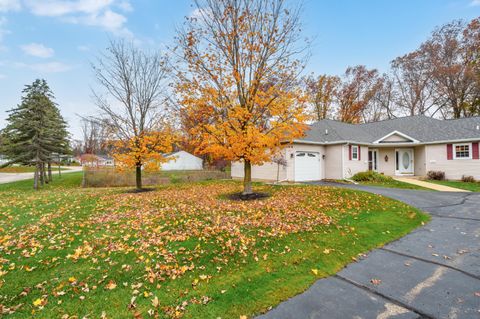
[434, 272]
[437, 187]
[14, 177]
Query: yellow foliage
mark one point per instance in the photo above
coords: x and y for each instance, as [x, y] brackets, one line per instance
[145, 150]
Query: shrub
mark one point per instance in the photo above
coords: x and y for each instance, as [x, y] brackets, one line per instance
[468, 179]
[436, 175]
[370, 176]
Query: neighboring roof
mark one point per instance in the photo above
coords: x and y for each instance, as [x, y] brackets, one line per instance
[422, 129]
[178, 153]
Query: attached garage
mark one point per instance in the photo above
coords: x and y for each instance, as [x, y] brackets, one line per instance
[307, 166]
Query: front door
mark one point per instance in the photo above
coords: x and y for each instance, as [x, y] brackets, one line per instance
[404, 161]
[373, 160]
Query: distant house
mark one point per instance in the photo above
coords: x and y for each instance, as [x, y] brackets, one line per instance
[3, 160]
[92, 160]
[407, 146]
[182, 161]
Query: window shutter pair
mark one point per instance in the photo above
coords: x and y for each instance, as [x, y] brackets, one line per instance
[475, 152]
[350, 152]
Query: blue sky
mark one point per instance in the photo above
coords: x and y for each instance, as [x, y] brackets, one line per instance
[57, 39]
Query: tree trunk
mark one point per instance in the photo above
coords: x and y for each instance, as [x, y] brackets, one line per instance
[247, 178]
[35, 177]
[41, 172]
[138, 177]
[278, 173]
[49, 171]
[44, 173]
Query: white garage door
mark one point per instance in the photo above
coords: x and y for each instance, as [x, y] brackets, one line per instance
[307, 166]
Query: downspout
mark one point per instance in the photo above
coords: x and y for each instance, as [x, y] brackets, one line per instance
[343, 160]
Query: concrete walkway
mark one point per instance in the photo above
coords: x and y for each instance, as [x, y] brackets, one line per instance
[437, 187]
[14, 177]
[434, 272]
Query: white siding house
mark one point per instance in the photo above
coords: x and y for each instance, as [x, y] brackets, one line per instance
[182, 160]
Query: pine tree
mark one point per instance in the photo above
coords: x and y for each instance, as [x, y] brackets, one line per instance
[35, 131]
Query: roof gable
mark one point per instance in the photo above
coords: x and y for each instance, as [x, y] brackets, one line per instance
[396, 137]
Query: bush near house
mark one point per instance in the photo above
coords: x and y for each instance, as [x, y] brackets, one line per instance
[468, 179]
[436, 175]
[371, 176]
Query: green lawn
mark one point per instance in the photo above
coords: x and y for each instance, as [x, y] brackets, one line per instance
[394, 184]
[181, 251]
[473, 187]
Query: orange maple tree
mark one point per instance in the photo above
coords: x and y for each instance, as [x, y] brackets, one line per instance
[240, 85]
[146, 151]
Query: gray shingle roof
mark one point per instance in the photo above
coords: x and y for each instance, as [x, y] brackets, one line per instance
[421, 128]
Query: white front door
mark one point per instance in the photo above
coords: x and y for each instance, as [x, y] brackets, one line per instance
[307, 166]
[404, 161]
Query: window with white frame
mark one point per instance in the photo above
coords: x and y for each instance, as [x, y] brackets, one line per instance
[462, 151]
[355, 152]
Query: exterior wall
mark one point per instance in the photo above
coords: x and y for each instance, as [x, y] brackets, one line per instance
[265, 172]
[292, 149]
[352, 167]
[436, 160]
[419, 161]
[333, 162]
[268, 171]
[386, 167]
[183, 161]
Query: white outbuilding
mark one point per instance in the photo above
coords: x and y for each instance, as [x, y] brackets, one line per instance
[182, 161]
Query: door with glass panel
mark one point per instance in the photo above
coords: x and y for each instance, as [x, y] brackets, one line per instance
[404, 161]
[373, 160]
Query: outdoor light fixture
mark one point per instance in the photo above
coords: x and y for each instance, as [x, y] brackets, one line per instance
[386, 158]
[323, 156]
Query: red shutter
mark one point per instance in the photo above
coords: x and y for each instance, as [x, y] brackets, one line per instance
[359, 152]
[350, 152]
[475, 150]
[449, 152]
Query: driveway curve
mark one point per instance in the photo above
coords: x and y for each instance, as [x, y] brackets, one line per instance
[433, 272]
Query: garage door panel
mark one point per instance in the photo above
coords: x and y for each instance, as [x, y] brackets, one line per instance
[307, 166]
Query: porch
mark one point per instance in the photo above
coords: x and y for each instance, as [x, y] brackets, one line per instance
[397, 161]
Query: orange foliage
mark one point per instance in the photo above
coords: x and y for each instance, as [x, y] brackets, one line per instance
[240, 87]
[145, 150]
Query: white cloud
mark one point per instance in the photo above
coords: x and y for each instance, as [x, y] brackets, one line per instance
[475, 3]
[49, 67]
[37, 50]
[2, 76]
[97, 13]
[9, 5]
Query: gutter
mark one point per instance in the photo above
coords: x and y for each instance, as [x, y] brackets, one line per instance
[347, 142]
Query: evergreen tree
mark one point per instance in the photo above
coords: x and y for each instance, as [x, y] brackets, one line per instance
[35, 131]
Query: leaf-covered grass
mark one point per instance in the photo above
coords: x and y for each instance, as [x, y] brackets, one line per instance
[182, 251]
[469, 186]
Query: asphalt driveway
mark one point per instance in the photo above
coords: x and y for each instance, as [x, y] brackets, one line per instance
[434, 272]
